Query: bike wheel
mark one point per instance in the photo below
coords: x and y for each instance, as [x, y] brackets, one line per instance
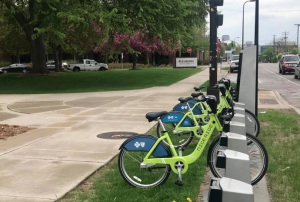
[129, 167]
[252, 123]
[257, 153]
[182, 139]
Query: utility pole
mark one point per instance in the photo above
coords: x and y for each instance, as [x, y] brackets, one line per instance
[274, 43]
[297, 37]
[285, 38]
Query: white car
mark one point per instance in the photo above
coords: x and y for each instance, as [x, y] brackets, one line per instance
[234, 64]
[88, 65]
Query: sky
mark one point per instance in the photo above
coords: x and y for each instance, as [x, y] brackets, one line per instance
[276, 17]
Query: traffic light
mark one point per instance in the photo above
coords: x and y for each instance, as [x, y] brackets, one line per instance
[219, 20]
[214, 3]
[216, 20]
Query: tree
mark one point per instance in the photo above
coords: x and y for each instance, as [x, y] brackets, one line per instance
[294, 51]
[223, 50]
[267, 54]
[12, 38]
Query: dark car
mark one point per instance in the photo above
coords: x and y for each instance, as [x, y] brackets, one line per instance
[288, 63]
[15, 68]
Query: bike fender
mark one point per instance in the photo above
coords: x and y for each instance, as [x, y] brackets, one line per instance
[145, 143]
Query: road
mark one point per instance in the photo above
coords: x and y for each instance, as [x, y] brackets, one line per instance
[270, 79]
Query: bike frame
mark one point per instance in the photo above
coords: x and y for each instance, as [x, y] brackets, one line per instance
[189, 159]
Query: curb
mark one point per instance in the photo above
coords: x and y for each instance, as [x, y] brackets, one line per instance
[283, 101]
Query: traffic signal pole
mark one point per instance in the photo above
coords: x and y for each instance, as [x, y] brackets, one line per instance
[215, 21]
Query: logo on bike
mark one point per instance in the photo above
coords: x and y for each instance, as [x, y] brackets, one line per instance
[184, 107]
[139, 144]
[170, 117]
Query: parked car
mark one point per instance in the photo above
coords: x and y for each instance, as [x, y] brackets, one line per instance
[88, 65]
[288, 63]
[15, 68]
[234, 64]
[51, 65]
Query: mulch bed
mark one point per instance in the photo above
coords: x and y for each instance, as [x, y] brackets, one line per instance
[7, 131]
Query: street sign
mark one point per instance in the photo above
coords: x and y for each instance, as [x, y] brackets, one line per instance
[189, 50]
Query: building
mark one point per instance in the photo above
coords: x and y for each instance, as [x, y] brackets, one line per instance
[225, 38]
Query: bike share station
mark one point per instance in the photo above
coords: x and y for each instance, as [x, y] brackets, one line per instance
[146, 161]
[236, 185]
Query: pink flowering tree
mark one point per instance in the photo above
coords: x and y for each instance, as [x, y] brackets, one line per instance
[136, 44]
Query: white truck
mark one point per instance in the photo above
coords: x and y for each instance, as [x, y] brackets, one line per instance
[88, 65]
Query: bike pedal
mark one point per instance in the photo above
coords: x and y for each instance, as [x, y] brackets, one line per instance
[179, 183]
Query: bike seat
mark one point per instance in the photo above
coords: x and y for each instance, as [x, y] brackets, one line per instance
[195, 95]
[184, 99]
[151, 116]
[198, 88]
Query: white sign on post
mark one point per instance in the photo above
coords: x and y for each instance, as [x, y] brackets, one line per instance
[186, 62]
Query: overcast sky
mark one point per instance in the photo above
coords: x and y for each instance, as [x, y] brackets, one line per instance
[276, 17]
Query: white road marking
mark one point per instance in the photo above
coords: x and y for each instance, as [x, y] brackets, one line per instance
[282, 77]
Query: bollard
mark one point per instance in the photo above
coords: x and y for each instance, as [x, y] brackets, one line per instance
[239, 110]
[234, 127]
[239, 118]
[236, 165]
[234, 142]
[230, 190]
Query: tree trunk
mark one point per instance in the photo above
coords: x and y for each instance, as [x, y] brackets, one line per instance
[153, 59]
[135, 58]
[148, 60]
[106, 59]
[38, 57]
[18, 57]
[60, 58]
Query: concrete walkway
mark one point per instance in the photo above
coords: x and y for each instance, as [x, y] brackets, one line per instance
[46, 163]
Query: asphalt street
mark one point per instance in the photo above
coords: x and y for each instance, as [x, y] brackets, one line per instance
[270, 79]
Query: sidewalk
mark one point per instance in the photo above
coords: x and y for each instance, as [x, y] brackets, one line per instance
[45, 164]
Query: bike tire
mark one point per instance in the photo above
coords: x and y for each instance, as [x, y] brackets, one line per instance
[131, 172]
[252, 123]
[178, 140]
[252, 140]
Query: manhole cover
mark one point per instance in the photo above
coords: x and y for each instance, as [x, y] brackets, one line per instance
[268, 101]
[116, 135]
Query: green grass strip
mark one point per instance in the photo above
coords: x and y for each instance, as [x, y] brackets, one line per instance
[280, 133]
[95, 81]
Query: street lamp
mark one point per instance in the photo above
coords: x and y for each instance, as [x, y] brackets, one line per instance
[244, 22]
[235, 39]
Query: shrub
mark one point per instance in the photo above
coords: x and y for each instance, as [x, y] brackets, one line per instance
[4, 64]
[163, 61]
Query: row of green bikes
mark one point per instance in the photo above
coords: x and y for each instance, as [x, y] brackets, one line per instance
[146, 161]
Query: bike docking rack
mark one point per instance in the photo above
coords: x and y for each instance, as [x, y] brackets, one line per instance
[236, 185]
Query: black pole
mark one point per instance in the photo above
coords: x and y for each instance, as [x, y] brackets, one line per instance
[213, 53]
[257, 48]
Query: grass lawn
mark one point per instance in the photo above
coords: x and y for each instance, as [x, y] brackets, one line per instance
[73, 82]
[225, 68]
[107, 185]
[280, 133]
